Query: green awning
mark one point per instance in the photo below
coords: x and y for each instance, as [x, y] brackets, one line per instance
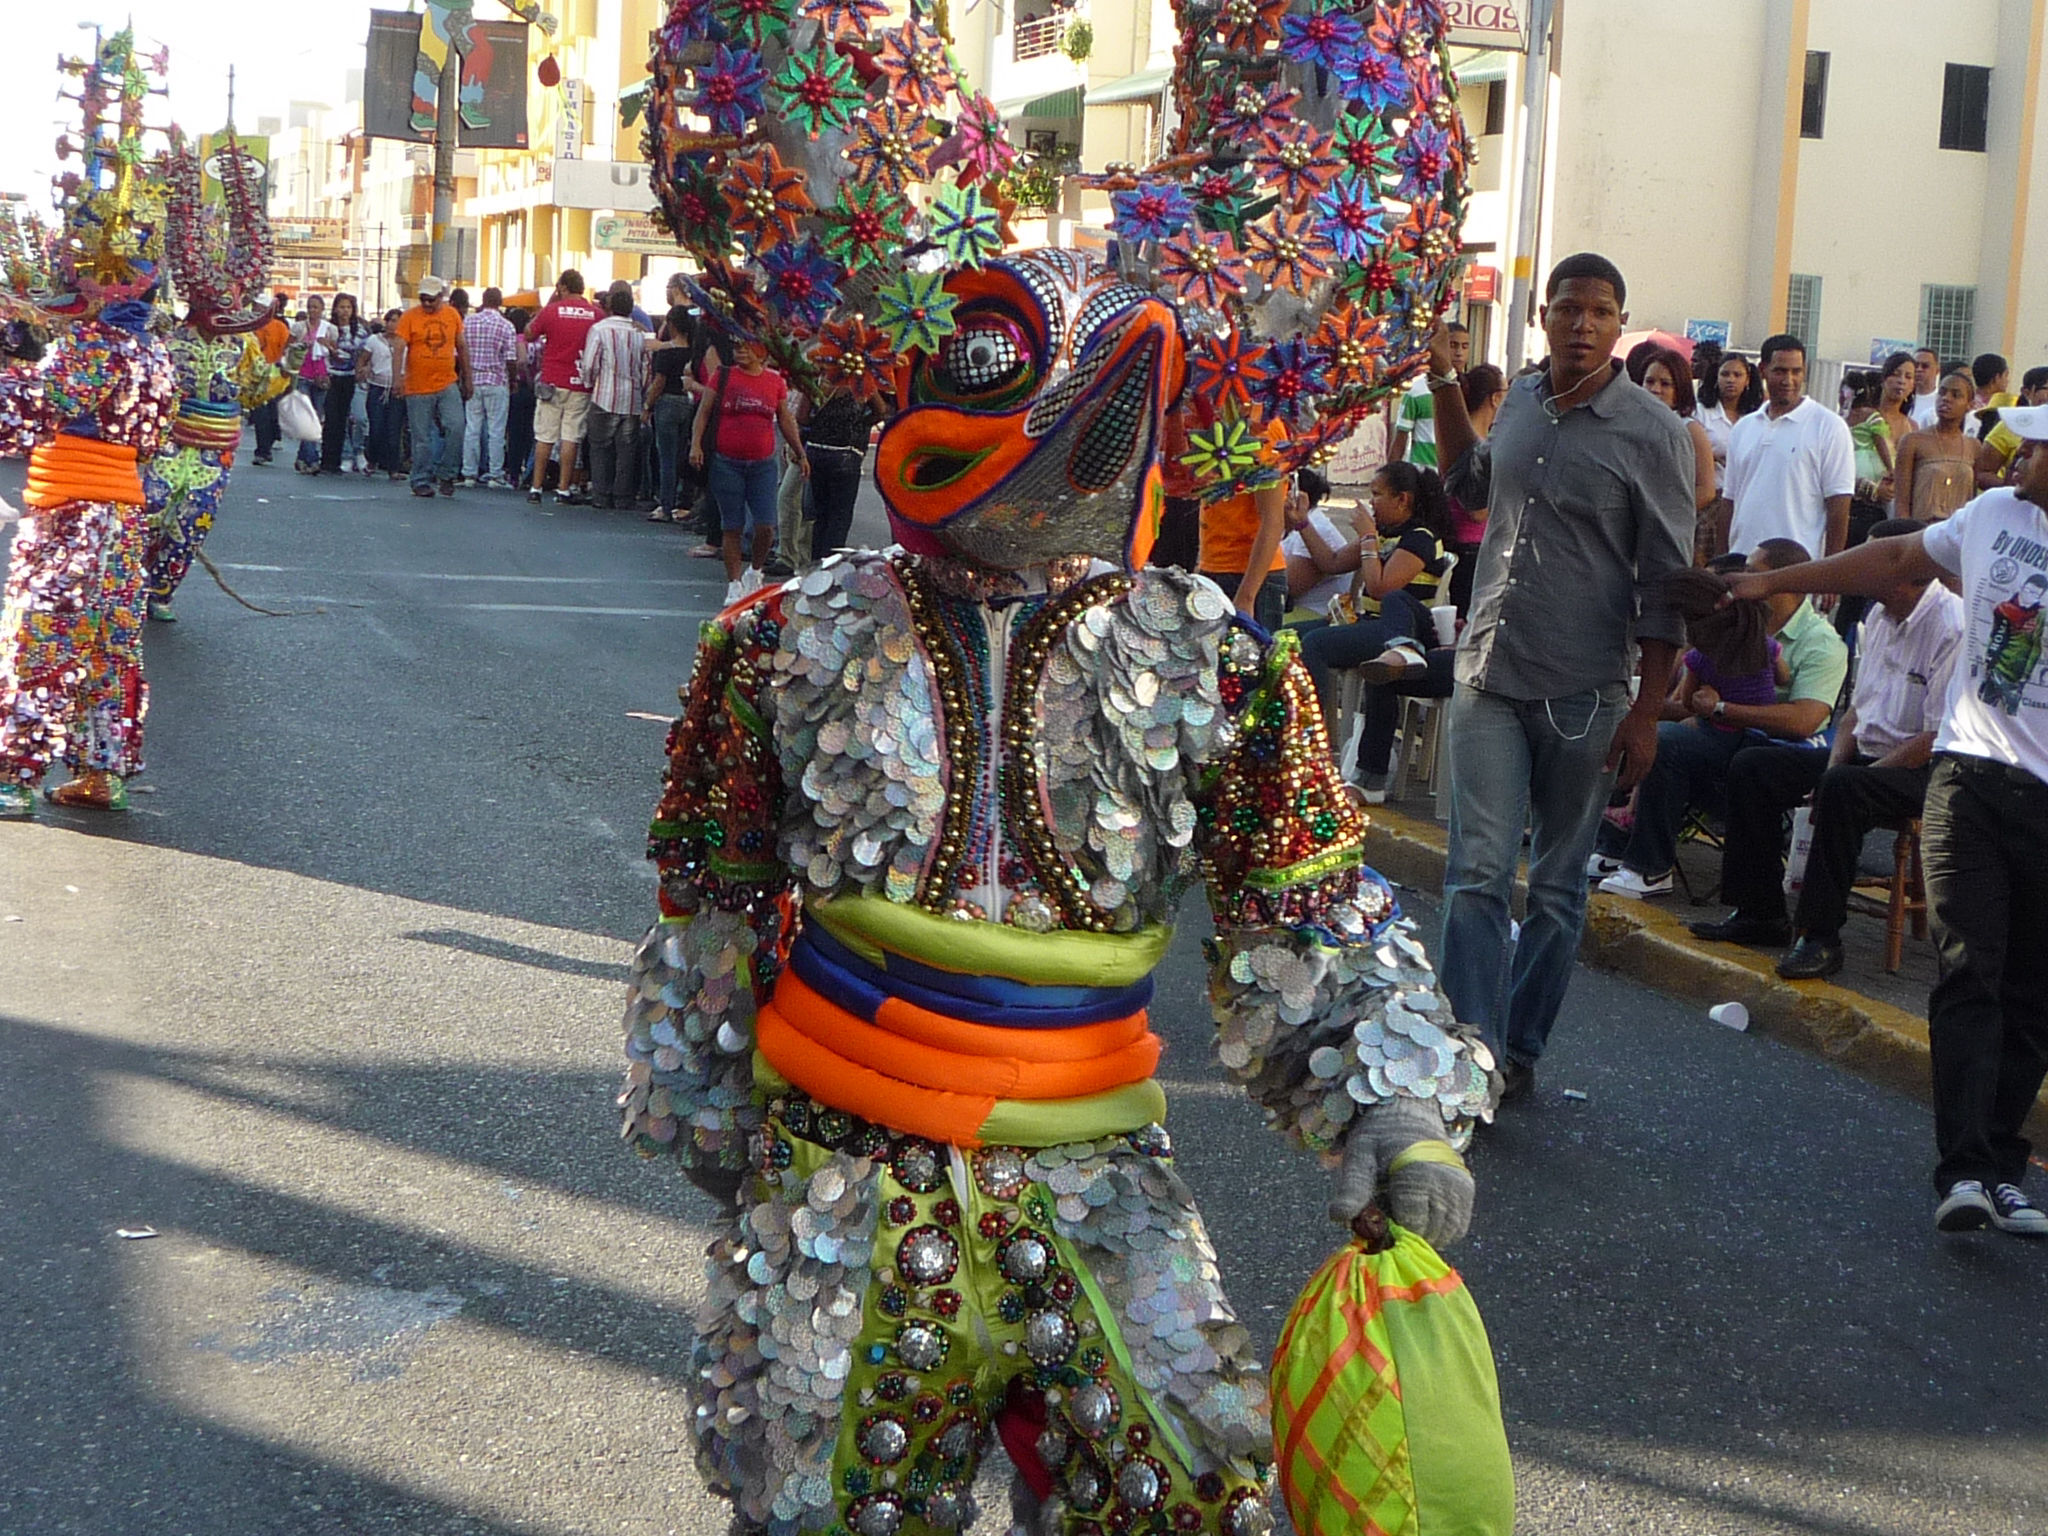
[633, 101]
[1065, 103]
[1146, 82]
[1477, 67]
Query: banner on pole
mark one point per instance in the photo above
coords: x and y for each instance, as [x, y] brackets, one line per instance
[401, 85]
[1487, 24]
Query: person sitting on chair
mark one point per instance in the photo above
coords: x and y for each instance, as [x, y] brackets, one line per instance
[1704, 734]
[1876, 772]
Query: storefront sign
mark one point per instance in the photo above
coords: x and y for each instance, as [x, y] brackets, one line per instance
[1716, 331]
[1487, 24]
[1482, 285]
[610, 186]
[631, 234]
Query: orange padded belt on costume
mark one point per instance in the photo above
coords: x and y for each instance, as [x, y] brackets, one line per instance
[932, 1075]
[71, 468]
[206, 425]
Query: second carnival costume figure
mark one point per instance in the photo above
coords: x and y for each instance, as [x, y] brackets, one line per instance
[95, 410]
[929, 815]
[218, 257]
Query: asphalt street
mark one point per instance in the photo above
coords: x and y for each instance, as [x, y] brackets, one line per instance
[333, 1013]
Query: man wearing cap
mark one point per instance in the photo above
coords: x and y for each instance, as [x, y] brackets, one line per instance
[430, 369]
[1985, 829]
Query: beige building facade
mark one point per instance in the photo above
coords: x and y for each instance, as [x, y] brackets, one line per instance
[1854, 171]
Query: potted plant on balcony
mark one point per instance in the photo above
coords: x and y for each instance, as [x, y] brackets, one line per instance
[1079, 41]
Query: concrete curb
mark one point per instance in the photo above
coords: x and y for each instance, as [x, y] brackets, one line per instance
[1873, 1039]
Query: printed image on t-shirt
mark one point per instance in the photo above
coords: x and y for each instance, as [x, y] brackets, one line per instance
[2014, 654]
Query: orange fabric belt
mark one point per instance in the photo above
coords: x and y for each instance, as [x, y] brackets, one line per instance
[199, 430]
[922, 1072]
[71, 468]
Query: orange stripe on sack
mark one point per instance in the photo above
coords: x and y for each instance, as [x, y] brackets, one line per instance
[926, 1063]
[831, 1079]
[69, 468]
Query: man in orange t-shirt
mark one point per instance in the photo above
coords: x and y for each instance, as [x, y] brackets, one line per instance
[273, 336]
[430, 370]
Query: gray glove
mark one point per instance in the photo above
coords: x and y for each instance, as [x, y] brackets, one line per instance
[1429, 1191]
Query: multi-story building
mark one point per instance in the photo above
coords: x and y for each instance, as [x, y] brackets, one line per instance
[1857, 172]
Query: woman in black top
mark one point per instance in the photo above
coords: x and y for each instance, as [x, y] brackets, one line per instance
[1401, 566]
[836, 442]
[670, 406]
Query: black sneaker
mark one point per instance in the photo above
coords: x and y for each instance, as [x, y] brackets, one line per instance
[533, 495]
[1811, 959]
[2013, 1212]
[778, 569]
[1966, 1208]
[1517, 1081]
[1737, 928]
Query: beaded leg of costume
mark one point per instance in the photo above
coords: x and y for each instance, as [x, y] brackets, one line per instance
[185, 487]
[887, 1305]
[71, 654]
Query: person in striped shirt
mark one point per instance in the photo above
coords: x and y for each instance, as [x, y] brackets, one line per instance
[493, 347]
[614, 365]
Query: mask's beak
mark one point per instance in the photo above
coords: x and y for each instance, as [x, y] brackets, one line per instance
[1073, 472]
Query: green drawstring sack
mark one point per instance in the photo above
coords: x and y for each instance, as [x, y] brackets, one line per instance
[1386, 1410]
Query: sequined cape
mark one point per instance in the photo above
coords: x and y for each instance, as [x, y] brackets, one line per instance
[98, 381]
[1149, 737]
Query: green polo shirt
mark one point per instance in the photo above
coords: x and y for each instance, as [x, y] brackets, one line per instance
[1816, 657]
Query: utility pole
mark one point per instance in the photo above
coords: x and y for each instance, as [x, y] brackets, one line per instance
[447, 120]
[1529, 211]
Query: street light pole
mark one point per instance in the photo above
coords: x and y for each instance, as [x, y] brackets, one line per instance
[1529, 208]
[447, 118]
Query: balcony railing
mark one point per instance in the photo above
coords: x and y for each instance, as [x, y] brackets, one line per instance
[1038, 38]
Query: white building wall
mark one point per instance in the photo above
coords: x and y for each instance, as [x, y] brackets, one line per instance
[1883, 208]
[1658, 112]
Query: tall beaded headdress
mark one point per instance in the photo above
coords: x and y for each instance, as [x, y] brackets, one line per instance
[219, 254]
[1306, 218]
[826, 169]
[110, 243]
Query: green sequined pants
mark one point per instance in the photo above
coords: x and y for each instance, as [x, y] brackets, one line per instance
[887, 1306]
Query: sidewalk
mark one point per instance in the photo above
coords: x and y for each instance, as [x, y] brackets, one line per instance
[1871, 1023]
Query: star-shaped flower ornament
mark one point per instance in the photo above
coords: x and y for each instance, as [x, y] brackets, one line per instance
[914, 310]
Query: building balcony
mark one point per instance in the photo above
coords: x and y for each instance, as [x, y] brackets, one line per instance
[1033, 76]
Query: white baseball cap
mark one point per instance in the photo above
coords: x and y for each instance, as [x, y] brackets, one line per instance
[2029, 422]
[432, 287]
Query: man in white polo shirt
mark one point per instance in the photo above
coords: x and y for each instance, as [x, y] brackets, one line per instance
[1985, 830]
[1791, 465]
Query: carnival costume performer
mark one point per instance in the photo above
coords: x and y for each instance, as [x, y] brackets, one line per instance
[218, 258]
[927, 820]
[99, 406]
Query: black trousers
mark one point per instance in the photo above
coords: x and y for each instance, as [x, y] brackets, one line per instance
[264, 420]
[341, 395]
[830, 497]
[1764, 783]
[1985, 848]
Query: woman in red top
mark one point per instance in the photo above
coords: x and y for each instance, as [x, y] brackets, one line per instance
[749, 401]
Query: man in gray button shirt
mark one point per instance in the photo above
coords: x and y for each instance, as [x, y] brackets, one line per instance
[1588, 485]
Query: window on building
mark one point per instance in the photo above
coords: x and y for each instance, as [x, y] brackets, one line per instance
[1802, 310]
[1496, 109]
[1813, 105]
[1948, 321]
[1966, 107]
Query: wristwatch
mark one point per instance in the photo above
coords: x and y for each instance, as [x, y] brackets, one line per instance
[1720, 709]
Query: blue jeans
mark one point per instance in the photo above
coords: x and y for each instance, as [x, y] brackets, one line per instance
[1692, 764]
[1543, 761]
[437, 424]
[745, 491]
[672, 416]
[1333, 646]
[309, 449]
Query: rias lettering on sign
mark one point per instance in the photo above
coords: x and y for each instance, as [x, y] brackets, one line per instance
[1486, 23]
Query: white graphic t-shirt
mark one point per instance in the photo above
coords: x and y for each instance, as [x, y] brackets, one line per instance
[1998, 698]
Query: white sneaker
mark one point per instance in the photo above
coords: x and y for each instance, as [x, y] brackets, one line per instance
[735, 590]
[1599, 867]
[1626, 882]
[1965, 1208]
[2013, 1212]
[752, 579]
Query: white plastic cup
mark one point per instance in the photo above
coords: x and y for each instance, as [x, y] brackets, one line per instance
[1446, 620]
[1729, 1015]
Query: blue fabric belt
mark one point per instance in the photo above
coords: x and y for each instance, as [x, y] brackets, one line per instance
[835, 972]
